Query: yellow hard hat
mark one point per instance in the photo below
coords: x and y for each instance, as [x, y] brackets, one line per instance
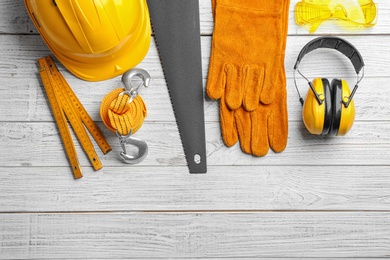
[94, 39]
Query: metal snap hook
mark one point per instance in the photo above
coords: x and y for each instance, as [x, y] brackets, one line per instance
[127, 77]
[139, 143]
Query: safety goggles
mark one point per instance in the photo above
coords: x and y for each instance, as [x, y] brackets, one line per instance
[361, 13]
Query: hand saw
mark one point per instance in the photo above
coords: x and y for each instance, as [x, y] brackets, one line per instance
[65, 105]
[177, 34]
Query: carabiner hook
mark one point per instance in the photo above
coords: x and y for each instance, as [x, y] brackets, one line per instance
[127, 77]
[140, 144]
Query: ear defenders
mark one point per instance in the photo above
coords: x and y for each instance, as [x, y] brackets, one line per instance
[328, 108]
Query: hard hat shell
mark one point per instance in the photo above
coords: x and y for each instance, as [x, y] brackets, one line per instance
[94, 39]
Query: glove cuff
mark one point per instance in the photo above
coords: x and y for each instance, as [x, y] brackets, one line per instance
[263, 6]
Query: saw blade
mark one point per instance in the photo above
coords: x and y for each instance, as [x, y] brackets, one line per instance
[177, 35]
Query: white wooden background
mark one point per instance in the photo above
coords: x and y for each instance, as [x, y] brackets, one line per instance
[323, 197]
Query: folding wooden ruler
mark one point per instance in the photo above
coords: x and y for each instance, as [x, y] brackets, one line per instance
[65, 105]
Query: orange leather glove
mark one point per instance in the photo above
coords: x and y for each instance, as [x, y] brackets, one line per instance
[247, 73]
[266, 126]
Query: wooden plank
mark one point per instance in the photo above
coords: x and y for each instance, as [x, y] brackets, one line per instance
[195, 235]
[223, 188]
[23, 99]
[38, 144]
[20, 53]
[14, 19]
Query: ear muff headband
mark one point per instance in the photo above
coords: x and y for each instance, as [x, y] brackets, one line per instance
[335, 43]
[339, 45]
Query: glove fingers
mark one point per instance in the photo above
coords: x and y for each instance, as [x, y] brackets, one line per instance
[278, 124]
[224, 81]
[228, 124]
[233, 87]
[260, 144]
[267, 95]
[278, 135]
[243, 122]
[216, 79]
[253, 80]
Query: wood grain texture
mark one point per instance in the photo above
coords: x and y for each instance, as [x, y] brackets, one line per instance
[23, 99]
[15, 20]
[322, 198]
[39, 144]
[223, 188]
[195, 235]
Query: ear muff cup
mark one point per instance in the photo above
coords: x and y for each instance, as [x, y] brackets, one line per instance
[331, 117]
[328, 109]
[336, 103]
[343, 116]
[318, 117]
